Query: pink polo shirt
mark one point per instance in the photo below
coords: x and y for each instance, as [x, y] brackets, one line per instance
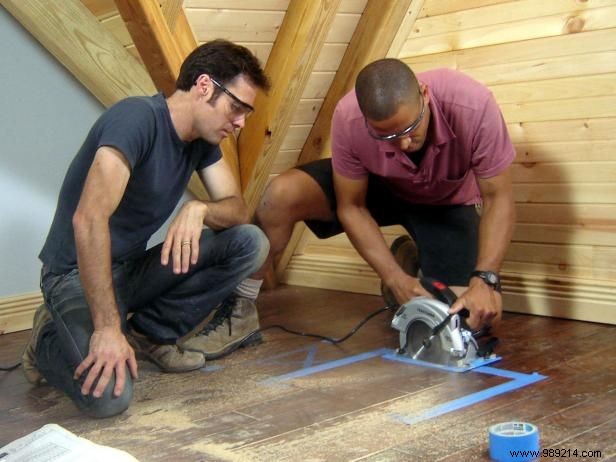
[468, 140]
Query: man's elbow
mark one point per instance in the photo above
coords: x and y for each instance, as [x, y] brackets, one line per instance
[84, 222]
[80, 221]
[347, 212]
[507, 203]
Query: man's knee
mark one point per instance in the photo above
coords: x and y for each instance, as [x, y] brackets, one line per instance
[291, 197]
[277, 202]
[108, 405]
[256, 243]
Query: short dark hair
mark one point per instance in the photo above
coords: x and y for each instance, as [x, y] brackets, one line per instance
[223, 61]
[383, 86]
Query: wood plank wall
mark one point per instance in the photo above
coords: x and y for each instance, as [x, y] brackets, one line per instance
[552, 67]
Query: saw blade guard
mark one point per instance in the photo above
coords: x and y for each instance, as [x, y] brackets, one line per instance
[416, 319]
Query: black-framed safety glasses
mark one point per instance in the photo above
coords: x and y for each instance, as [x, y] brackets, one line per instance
[401, 133]
[238, 107]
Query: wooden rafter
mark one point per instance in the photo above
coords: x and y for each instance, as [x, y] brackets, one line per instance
[183, 33]
[163, 52]
[171, 12]
[298, 44]
[158, 49]
[374, 37]
[76, 38]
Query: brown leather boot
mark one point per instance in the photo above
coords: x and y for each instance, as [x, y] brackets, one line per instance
[169, 358]
[229, 329]
[404, 251]
[28, 358]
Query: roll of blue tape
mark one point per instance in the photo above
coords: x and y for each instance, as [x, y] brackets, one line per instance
[508, 437]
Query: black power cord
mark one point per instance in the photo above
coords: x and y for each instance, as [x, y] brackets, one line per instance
[10, 368]
[333, 341]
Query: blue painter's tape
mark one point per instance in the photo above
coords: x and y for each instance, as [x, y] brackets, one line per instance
[276, 359]
[509, 374]
[510, 441]
[479, 362]
[519, 380]
[309, 361]
[211, 368]
[327, 366]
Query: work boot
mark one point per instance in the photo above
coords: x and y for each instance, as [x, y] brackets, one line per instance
[169, 358]
[28, 358]
[229, 329]
[404, 251]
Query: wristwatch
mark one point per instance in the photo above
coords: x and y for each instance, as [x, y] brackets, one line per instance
[490, 278]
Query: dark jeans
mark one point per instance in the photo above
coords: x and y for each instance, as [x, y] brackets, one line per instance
[165, 306]
[447, 236]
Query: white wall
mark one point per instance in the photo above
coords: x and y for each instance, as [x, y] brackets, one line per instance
[44, 116]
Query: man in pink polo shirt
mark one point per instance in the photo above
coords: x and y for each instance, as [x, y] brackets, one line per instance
[423, 152]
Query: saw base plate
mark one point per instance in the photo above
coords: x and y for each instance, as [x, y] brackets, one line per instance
[479, 362]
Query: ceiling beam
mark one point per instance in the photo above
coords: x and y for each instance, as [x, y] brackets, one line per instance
[377, 35]
[77, 39]
[163, 53]
[171, 11]
[295, 51]
[183, 33]
[158, 49]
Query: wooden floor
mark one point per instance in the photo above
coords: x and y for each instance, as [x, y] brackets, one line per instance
[236, 410]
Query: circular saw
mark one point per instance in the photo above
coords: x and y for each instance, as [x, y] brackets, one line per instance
[428, 332]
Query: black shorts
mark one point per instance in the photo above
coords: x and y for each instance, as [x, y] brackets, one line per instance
[446, 235]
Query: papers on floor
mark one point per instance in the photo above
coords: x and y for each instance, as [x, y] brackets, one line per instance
[52, 443]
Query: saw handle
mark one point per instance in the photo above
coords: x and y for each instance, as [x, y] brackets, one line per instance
[442, 293]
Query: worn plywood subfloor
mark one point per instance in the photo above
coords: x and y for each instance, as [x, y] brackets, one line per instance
[231, 411]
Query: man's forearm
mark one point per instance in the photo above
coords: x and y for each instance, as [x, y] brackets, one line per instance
[93, 243]
[225, 213]
[368, 240]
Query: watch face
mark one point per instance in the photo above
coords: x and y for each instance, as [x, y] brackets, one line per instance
[489, 277]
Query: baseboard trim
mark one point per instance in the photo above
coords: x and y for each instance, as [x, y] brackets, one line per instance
[570, 298]
[16, 312]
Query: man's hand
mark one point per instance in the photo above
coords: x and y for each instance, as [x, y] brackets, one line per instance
[182, 240]
[484, 304]
[405, 287]
[109, 352]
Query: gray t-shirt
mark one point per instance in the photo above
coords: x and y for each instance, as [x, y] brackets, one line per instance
[161, 166]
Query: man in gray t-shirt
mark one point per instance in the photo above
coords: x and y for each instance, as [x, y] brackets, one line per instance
[123, 184]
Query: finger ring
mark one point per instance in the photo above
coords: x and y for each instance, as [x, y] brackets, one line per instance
[185, 242]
